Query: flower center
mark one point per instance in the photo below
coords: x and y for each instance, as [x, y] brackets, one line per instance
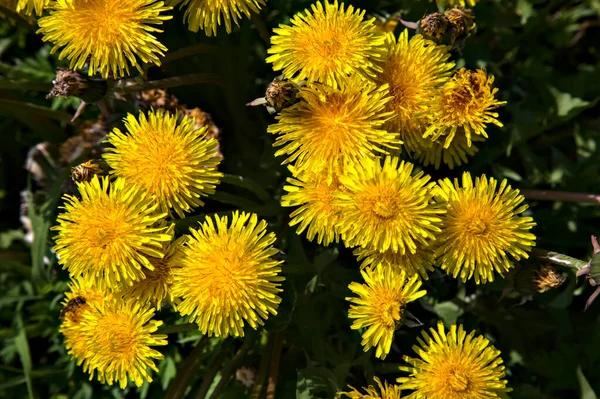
[458, 381]
[384, 208]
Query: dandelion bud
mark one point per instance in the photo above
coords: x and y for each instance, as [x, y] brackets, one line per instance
[281, 94]
[85, 171]
[434, 27]
[461, 22]
[72, 83]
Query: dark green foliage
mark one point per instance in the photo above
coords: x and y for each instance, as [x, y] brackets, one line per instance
[544, 55]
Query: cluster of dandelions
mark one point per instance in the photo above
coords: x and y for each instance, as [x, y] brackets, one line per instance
[110, 36]
[117, 241]
[351, 101]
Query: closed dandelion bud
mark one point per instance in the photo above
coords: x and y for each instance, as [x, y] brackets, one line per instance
[595, 268]
[85, 171]
[281, 94]
[461, 23]
[434, 27]
[72, 83]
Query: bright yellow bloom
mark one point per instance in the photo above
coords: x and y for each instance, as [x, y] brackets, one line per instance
[456, 154]
[170, 158]
[327, 45]
[207, 14]
[413, 69]
[453, 3]
[228, 275]
[156, 287]
[463, 106]
[108, 34]
[384, 207]
[388, 391]
[29, 7]
[380, 305]
[454, 365]
[332, 127]
[107, 234]
[419, 263]
[82, 297]
[119, 336]
[314, 196]
[481, 230]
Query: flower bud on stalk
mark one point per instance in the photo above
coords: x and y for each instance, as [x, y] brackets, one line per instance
[72, 83]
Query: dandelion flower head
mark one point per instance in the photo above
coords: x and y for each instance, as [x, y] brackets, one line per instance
[463, 106]
[454, 365]
[383, 391]
[110, 35]
[228, 275]
[384, 207]
[29, 7]
[457, 153]
[380, 305]
[313, 194]
[481, 229]
[412, 70]
[108, 233]
[120, 335]
[327, 44]
[453, 3]
[419, 263]
[331, 127]
[207, 14]
[170, 158]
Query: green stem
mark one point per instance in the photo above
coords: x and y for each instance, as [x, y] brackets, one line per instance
[262, 369]
[177, 328]
[187, 371]
[168, 83]
[261, 28]
[559, 259]
[233, 364]
[212, 372]
[548, 195]
[274, 367]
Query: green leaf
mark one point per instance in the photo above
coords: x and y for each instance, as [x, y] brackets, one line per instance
[448, 311]
[303, 387]
[565, 102]
[586, 389]
[22, 345]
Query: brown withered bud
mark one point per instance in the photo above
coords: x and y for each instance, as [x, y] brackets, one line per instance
[85, 171]
[536, 278]
[434, 27]
[281, 94]
[461, 22]
[72, 83]
[157, 98]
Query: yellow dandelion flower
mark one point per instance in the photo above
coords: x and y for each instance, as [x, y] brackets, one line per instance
[481, 230]
[170, 158]
[120, 335]
[29, 7]
[332, 127]
[107, 234]
[385, 391]
[380, 305]
[207, 14]
[384, 207]
[155, 288]
[82, 297]
[109, 35]
[418, 263]
[413, 69]
[453, 3]
[464, 105]
[454, 365]
[314, 196]
[228, 275]
[327, 45]
[457, 153]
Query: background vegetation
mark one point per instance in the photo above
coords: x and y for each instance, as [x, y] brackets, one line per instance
[545, 57]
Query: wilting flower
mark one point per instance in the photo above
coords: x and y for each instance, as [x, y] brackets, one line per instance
[482, 230]
[314, 196]
[29, 7]
[228, 275]
[108, 34]
[454, 365]
[412, 69]
[384, 208]
[168, 157]
[207, 14]
[385, 391]
[155, 288]
[119, 336]
[381, 304]
[463, 106]
[333, 127]
[457, 153]
[108, 233]
[327, 45]
[418, 263]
